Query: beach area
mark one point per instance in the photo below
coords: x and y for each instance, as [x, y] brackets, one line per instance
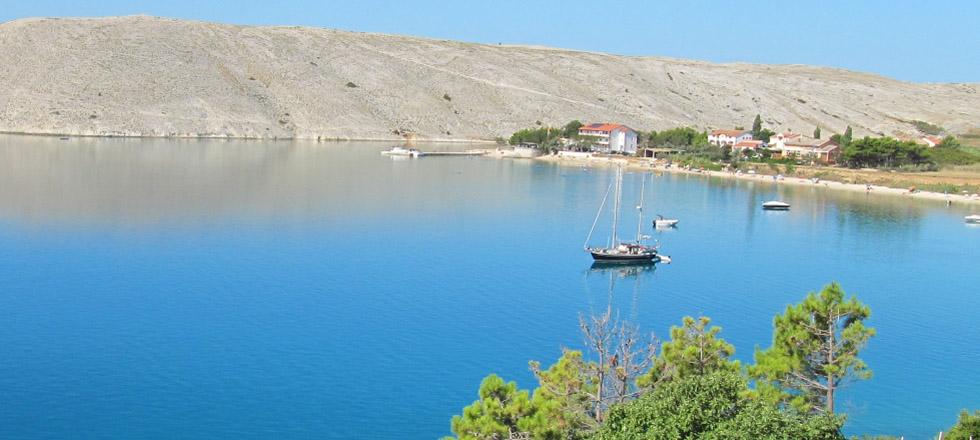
[807, 177]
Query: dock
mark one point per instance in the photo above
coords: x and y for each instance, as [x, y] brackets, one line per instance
[451, 153]
[411, 152]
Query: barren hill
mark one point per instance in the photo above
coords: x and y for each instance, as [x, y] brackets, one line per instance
[160, 77]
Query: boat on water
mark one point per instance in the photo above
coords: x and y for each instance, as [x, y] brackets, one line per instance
[775, 205]
[973, 219]
[635, 252]
[401, 151]
[662, 222]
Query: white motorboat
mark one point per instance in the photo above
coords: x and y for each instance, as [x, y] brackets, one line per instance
[662, 223]
[973, 219]
[400, 151]
[775, 205]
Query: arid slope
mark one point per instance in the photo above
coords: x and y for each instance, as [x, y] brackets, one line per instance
[146, 76]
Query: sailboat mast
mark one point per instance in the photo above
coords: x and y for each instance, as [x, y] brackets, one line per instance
[616, 204]
[639, 221]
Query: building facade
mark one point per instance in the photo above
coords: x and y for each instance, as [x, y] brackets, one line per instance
[824, 152]
[610, 138]
[728, 138]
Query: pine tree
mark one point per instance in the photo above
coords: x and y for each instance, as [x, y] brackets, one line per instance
[501, 410]
[816, 133]
[814, 351]
[847, 136]
[756, 127]
[694, 349]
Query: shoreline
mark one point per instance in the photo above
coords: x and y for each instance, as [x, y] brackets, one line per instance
[400, 140]
[643, 164]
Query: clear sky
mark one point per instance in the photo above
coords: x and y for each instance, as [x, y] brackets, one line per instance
[925, 41]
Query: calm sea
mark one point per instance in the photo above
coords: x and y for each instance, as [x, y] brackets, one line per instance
[235, 290]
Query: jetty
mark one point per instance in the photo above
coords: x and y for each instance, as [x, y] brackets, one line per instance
[452, 153]
[412, 152]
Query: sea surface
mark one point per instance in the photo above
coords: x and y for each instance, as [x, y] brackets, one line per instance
[156, 289]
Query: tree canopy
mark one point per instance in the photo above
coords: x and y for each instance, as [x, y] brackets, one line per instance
[966, 428]
[884, 152]
[814, 351]
[694, 349]
[501, 409]
[712, 406]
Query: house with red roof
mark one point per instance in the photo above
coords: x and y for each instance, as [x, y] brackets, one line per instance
[729, 138]
[610, 138]
[749, 145]
[825, 152]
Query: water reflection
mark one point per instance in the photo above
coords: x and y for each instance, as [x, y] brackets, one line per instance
[146, 182]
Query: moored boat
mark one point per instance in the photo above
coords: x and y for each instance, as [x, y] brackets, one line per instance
[401, 151]
[662, 222]
[776, 205]
[635, 252]
[973, 219]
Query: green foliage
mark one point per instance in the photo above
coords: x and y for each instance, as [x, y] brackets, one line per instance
[542, 136]
[928, 128]
[696, 161]
[967, 427]
[764, 135]
[884, 152]
[815, 349]
[447, 97]
[694, 349]
[563, 398]
[501, 409]
[711, 406]
[848, 136]
[675, 137]
[949, 152]
[570, 129]
[816, 133]
[756, 126]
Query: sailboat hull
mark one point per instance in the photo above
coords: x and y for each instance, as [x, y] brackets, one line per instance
[623, 258]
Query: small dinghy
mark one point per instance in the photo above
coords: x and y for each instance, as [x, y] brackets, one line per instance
[973, 219]
[775, 205]
[663, 223]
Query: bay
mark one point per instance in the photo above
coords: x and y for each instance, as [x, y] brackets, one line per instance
[246, 289]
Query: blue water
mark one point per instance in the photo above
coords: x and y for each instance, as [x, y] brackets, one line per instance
[218, 289]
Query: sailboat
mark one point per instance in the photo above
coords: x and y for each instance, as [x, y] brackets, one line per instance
[621, 251]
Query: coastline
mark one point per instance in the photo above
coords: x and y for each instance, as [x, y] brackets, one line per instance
[400, 140]
[642, 164]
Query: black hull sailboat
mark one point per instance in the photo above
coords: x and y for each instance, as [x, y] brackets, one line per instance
[644, 255]
[622, 252]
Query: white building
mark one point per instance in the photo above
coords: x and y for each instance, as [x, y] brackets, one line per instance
[728, 137]
[779, 140]
[611, 138]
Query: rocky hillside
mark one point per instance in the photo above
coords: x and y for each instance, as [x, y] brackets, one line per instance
[159, 77]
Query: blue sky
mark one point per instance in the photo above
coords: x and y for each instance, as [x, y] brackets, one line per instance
[910, 40]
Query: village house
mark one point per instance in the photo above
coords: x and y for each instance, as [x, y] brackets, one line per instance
[611, 138]
[778, 140]
[729, 138]
[749, 145]
[930, 141]
[826, 152]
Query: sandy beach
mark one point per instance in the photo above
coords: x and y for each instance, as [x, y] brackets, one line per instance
[661, 166]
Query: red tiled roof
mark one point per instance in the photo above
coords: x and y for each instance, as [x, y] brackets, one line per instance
[748, 144]
[731, 133]
[603, 127]
[933, 139]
